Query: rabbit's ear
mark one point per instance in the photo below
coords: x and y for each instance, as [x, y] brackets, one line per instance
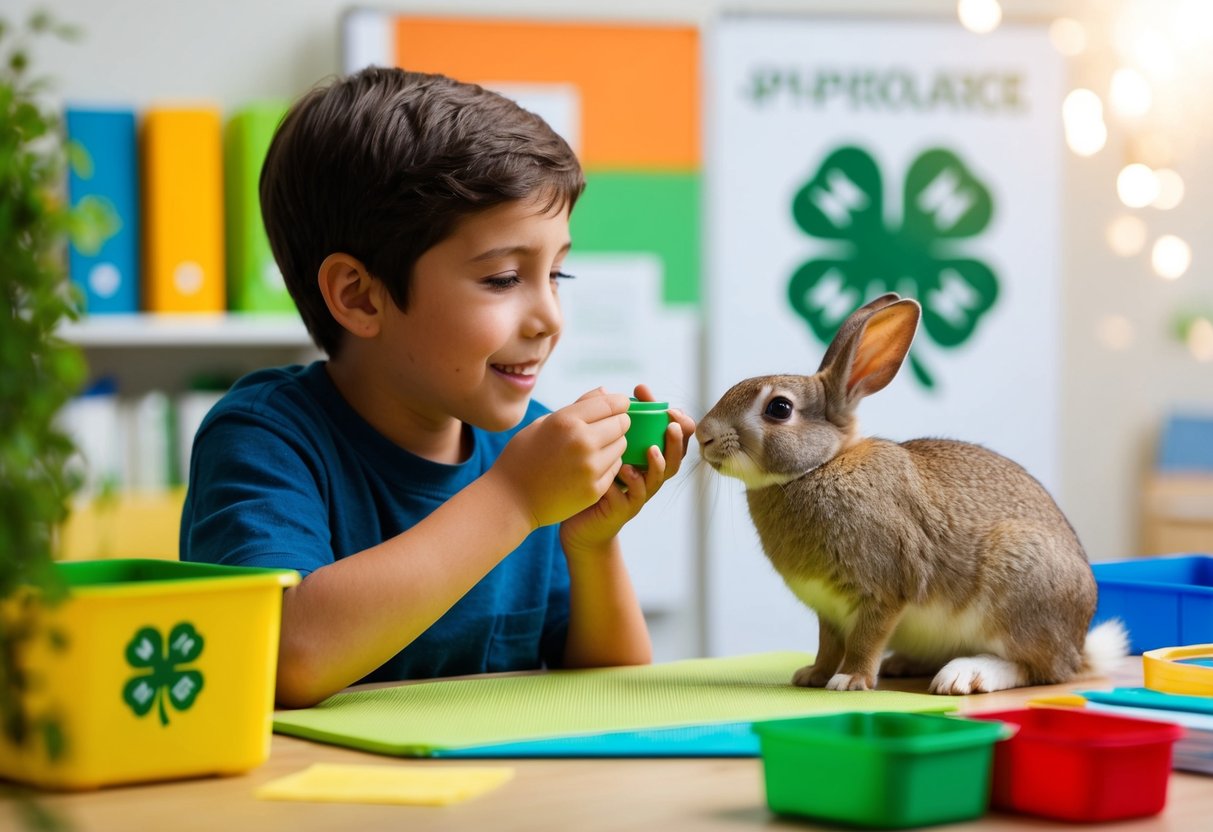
[852, 324]
[873, 354]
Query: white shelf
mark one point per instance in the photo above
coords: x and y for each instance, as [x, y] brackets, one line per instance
[147, 330]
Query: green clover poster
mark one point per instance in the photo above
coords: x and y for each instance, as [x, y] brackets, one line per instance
[849, 158]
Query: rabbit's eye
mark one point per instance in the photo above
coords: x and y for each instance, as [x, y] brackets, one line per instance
[779, 409]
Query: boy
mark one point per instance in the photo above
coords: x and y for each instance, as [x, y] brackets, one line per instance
[444, 523]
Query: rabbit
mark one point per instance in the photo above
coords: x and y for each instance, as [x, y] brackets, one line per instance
[945, 552]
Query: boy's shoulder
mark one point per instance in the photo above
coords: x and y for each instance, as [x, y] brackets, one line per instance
[275, 393]
[266, 384]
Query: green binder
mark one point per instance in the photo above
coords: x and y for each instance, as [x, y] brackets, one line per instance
[254, 282]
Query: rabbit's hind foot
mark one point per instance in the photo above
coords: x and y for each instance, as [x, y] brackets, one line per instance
[978, 674]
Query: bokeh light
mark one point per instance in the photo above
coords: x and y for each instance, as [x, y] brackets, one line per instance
[1137, 185]
[1082, 117]
[1170, 257]
[1130, 93]
[980, 16]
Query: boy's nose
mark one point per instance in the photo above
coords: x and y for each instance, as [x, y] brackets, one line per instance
[545, 317]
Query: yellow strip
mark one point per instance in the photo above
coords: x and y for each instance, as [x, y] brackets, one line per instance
[405, 785]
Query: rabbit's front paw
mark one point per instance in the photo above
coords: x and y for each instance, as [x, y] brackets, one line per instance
[812, 676]
[850, 681]
[977, 674]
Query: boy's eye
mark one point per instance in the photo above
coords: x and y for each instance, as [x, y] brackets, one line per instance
[502, 281]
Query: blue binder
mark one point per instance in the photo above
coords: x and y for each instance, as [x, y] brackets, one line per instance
[108, 277]
[1186, 445]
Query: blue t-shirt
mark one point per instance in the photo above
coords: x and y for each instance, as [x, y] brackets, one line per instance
[284, 473]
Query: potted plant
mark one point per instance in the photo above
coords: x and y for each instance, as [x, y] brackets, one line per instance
[38, 371]
[111, 671]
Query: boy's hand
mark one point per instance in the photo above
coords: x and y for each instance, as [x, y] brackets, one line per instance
[591, 529]
[564, 461]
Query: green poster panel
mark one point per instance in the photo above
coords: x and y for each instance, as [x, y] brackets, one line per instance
[652, 212]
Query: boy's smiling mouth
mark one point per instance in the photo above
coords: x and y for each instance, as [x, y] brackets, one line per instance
[529, 369]
[522, 376]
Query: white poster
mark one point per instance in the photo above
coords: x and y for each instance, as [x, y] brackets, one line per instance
[847, 158]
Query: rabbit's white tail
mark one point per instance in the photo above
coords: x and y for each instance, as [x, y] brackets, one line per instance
[1106, 645]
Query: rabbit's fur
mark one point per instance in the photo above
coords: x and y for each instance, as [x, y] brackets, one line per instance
[945, 552]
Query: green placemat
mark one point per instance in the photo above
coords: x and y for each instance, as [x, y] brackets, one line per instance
[424, 719]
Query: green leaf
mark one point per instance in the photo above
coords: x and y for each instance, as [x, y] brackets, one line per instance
[844, 200]
[80, 160]
[93, 221]
[140, 694]
[184, 644]
[954, 298]
[145, 649]
[921, 373]
[943, 199]
[824, 292]
[183, 688]
[53, 739]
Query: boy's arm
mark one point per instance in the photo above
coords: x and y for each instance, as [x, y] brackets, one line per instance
[348, 618]
[606, 625]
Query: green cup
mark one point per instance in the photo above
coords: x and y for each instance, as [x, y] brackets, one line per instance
[649, 421]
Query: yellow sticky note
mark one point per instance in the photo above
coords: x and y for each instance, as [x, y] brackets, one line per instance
[407, 785]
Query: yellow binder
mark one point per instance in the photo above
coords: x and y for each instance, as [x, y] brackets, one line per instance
[183, 210]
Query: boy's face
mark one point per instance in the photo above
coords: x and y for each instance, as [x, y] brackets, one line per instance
[483, 317]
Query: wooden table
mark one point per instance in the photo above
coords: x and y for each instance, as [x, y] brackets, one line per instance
[568, 795]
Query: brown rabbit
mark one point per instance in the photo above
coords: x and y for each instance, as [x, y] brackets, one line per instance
[945, 552]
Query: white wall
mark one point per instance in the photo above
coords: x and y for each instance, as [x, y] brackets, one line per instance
[143, 51]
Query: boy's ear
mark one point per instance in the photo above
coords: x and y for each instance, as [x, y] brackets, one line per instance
[354, 297]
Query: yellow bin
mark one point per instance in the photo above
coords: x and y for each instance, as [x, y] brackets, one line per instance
[1186, 670]
[147, 670]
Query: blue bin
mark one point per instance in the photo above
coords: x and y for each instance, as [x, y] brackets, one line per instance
[1163, 601]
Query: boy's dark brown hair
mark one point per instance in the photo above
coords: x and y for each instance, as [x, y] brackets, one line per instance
[382, 164]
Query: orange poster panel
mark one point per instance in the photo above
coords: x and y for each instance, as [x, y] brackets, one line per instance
[639, 85]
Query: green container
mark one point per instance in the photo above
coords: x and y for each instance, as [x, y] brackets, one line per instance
[880, 770]
[649, 421]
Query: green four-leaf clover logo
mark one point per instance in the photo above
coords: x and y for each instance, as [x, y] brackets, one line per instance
[165, 679]
[943, 203]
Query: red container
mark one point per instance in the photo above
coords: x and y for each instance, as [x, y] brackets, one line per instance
[1076, 765]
